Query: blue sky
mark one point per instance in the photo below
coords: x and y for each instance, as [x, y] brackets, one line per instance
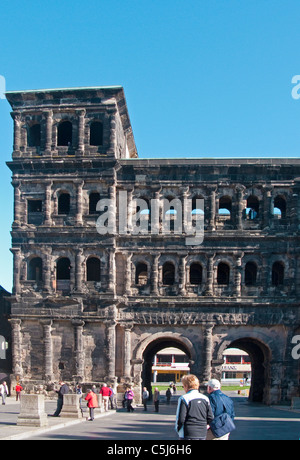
[202, 78]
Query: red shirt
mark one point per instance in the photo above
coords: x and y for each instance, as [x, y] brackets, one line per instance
[18, 388]
[105, 391]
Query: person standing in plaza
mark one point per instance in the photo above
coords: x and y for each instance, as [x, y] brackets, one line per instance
[156, 399]
[145, 397]
[106, 392]
[194, 413]
[92, 400]
[129, 398]
[3, 392]
[64, 390]
[221, 404]
[18, 389]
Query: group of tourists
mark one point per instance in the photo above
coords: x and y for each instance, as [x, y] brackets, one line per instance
[201, 417]
[108, 396]
[198, 416]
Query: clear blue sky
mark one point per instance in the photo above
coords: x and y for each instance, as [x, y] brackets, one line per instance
[202, 78]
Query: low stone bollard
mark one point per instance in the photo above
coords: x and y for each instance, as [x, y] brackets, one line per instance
[32, 411]
[71, 406]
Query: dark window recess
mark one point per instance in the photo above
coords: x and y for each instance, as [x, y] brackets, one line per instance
[34, 212]
[64, 134]
[96, 133]
[196, 274]
[35, 269]
[64, 203]
[93, 269]
[223, 274]
[250, 274]
[63, 269]
[34, 136]
[168, 274]
[141, 274]
[277, 274]
[35, 206]
[93, 200]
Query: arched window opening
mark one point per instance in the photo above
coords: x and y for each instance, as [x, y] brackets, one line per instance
[96, 133]
[93, 269]
[168, 274]
[93, 200]
[250, 274]
[196, 273]
[35, 269]
[64, 203]
[223, 274]
[277, 274]
[64, 134]
[63, 269]
[280, 207]
[252, 210]
[225, 206]
[34, 136]
[141, 274]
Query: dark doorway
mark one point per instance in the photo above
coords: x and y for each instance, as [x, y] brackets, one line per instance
[149, 353]
[260, 358]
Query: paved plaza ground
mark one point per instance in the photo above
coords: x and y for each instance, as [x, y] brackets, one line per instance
[253, 422]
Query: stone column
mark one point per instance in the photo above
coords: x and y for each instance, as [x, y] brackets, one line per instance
[48, 139]
[47, 270]
[182, 275]
[210, 276]
[212, 210]
[128, 274]
[79, 202]
[81, 114]
[267, 209]
[79, 350]
[48, 220]
[113, 141]
[111, 348]
[17, 203]
[111, 271]
[239, 206]
[238, 277]
[16, 347]
[16, 270]
[127, 351]
[113, 209]
[208, 349]
[48, 349]
[17, 132]
[78, 270]
[154, 276]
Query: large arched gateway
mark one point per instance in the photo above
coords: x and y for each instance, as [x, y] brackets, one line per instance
[200, 254]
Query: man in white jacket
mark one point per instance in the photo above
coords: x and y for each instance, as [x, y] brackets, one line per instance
[194, 413]
[3, 392]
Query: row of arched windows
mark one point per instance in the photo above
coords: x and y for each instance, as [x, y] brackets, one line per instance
[252, 210]
[93, 272]
[65, 134]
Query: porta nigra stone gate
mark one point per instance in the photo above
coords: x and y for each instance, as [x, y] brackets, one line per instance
[95, 306]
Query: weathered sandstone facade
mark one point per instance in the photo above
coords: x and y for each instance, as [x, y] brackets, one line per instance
[93, 307]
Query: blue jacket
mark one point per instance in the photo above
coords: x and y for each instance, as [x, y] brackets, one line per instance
[218, 400]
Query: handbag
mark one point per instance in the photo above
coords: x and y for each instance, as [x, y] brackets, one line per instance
[222, 424]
